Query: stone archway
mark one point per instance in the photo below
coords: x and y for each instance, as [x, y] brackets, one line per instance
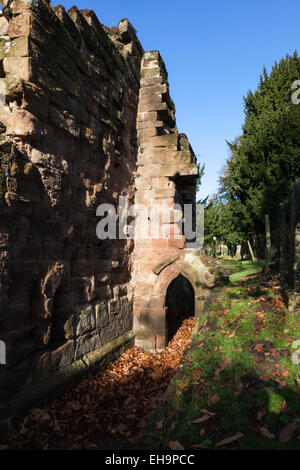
[179, 303]
[150, 323]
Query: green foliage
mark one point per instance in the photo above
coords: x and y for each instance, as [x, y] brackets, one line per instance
[224, 221]
[265, 159]
[201, 174]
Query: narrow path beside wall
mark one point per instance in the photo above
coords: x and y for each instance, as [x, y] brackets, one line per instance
[109, 410]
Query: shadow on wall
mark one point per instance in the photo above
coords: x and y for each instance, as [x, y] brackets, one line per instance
[180, 304]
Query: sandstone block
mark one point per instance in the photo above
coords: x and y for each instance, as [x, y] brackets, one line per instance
[69, 327]
[151, 81]
[5, 115]
[86, 321]
[114, 308]
[101, 311]
[21, 6]
[147, 133]
[23, 124]
[20, 67]
[3, 26]
[160, 244]
[163, 193]
[20, 25]
[156, 155]
[64, 121]
[167, 140]
[88, 343]
[105, 291]
[150, 101]
[154, 89]
[54, 360]
[153, 106]
[150, 72]
[149, 124]
[145, 116]
[35, 100]
[19, 47]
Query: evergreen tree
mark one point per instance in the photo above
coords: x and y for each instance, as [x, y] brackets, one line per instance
[265, 159]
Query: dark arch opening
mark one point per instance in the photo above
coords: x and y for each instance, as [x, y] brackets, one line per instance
[180, 304]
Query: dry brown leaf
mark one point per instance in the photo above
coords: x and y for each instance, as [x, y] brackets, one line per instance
[175, 445]
[266, 433]
[229, 440]
[288, 432]
[298, 384]
[203, 418]
[213, 399]
[233, 334]
[209, 413]
[261, 414]
[197, 372]
[283, 406]
[173, 426]
[223, 365]
[159, 424]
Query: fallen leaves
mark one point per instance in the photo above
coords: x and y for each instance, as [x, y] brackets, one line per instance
[196, 372]
[260, 315]
[114, 403]
[285, 372]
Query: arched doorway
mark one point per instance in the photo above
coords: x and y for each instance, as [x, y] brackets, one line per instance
[151, 309]
[179, 304]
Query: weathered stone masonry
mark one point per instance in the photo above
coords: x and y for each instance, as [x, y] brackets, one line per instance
[87, 117]
[166, 177]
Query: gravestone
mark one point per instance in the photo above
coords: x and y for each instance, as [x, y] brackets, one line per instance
[281, 227]
[294, 300]
[268, 238]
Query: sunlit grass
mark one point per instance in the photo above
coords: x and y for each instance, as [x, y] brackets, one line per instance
[239, 319]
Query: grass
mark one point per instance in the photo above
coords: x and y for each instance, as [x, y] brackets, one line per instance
[249, 327]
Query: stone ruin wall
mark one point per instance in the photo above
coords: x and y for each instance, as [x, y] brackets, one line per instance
[68, 143]
[87, 117]
[166, 178]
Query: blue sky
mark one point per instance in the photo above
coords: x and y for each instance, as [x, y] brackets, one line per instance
[214, 51]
